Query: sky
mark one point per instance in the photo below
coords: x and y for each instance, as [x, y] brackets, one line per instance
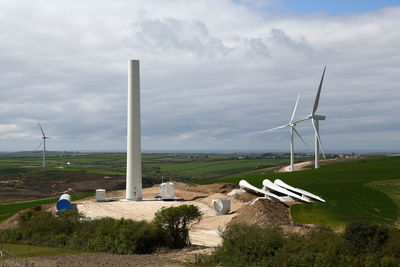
[214, 74]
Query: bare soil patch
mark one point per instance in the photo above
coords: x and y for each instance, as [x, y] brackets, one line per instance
[205, 233]
[262, 212]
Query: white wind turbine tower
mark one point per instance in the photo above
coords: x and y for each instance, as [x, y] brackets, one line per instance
[315, 122]
[44, 137]
[292, 126]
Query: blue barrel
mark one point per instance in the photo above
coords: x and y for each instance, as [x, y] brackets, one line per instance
[64, 203]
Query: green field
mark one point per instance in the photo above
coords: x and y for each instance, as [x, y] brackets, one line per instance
[363, 189]
[60, 167]
[181, 166]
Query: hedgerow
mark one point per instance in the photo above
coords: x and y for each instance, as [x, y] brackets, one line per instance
[362, 244]
[124, 236]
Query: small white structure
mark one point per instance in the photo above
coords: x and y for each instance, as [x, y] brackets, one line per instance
[100, 195]
[221, 205]
[167, 191]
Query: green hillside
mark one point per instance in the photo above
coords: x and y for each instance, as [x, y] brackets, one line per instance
[363, 189]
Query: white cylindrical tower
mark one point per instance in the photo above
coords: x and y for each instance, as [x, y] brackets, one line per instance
[134, 153]
[316, 144]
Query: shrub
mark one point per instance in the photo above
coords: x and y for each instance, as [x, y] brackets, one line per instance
[362, 236]
[243, 244]
[178, 221]
[170, 229]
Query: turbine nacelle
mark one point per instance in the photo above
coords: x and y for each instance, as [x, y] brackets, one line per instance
[318, 117]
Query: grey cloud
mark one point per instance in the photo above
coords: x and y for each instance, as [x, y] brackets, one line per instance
[207, 81]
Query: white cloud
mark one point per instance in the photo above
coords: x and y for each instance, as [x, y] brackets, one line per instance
[212, 73]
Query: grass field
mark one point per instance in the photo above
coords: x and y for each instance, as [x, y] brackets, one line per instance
[363, 189]
[25, 251]
[9, 209]
[181, 166]
[355, 189]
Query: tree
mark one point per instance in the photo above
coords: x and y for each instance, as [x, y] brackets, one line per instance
[177, 222]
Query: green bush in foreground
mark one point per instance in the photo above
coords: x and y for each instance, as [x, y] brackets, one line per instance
[177, 222]
[123, 236]
[245, 245]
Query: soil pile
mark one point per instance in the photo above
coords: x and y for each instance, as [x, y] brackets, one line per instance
[263, 211]
[207, 189]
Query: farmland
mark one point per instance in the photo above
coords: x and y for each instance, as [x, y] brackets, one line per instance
[355, 189]
[363, 189]
[24, 184]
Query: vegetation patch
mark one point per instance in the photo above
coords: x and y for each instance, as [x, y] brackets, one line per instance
[356, 189]
[70, 230]
[9, 209]
[363, 244]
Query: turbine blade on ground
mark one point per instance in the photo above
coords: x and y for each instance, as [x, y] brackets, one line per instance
[295, 107]
[295, 130]
[276, 128]
[318, 94]
[319, 139]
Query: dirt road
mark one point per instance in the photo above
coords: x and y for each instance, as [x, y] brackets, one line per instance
[297, 167]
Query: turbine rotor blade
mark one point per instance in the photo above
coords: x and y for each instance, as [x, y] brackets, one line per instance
[41, 129]
[39, 145]
[318, 93]
[276, 128]
[304, 119]
[295, 107]
[319, 139]
[295, 130]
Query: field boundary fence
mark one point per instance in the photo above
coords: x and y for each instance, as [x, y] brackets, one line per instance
[11, 259]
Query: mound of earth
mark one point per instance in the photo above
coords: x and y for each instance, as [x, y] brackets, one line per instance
[263, 211]
[207, 189]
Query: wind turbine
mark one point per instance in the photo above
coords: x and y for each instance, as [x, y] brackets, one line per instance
[315, 122]
[44, 137]
[292, 126]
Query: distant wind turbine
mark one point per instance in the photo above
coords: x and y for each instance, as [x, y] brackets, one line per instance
[292, 126]
[44, 137]
[315, 122]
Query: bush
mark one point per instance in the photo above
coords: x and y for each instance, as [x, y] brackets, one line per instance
[169, 229]
[362, 236]
[243, 244]
[177, 221]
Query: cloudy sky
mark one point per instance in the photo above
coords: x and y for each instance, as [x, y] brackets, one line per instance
[213, 73]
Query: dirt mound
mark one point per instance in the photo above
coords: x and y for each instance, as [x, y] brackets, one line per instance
[245, 197]
[263, 211]
[210, 188]
[11, 222]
